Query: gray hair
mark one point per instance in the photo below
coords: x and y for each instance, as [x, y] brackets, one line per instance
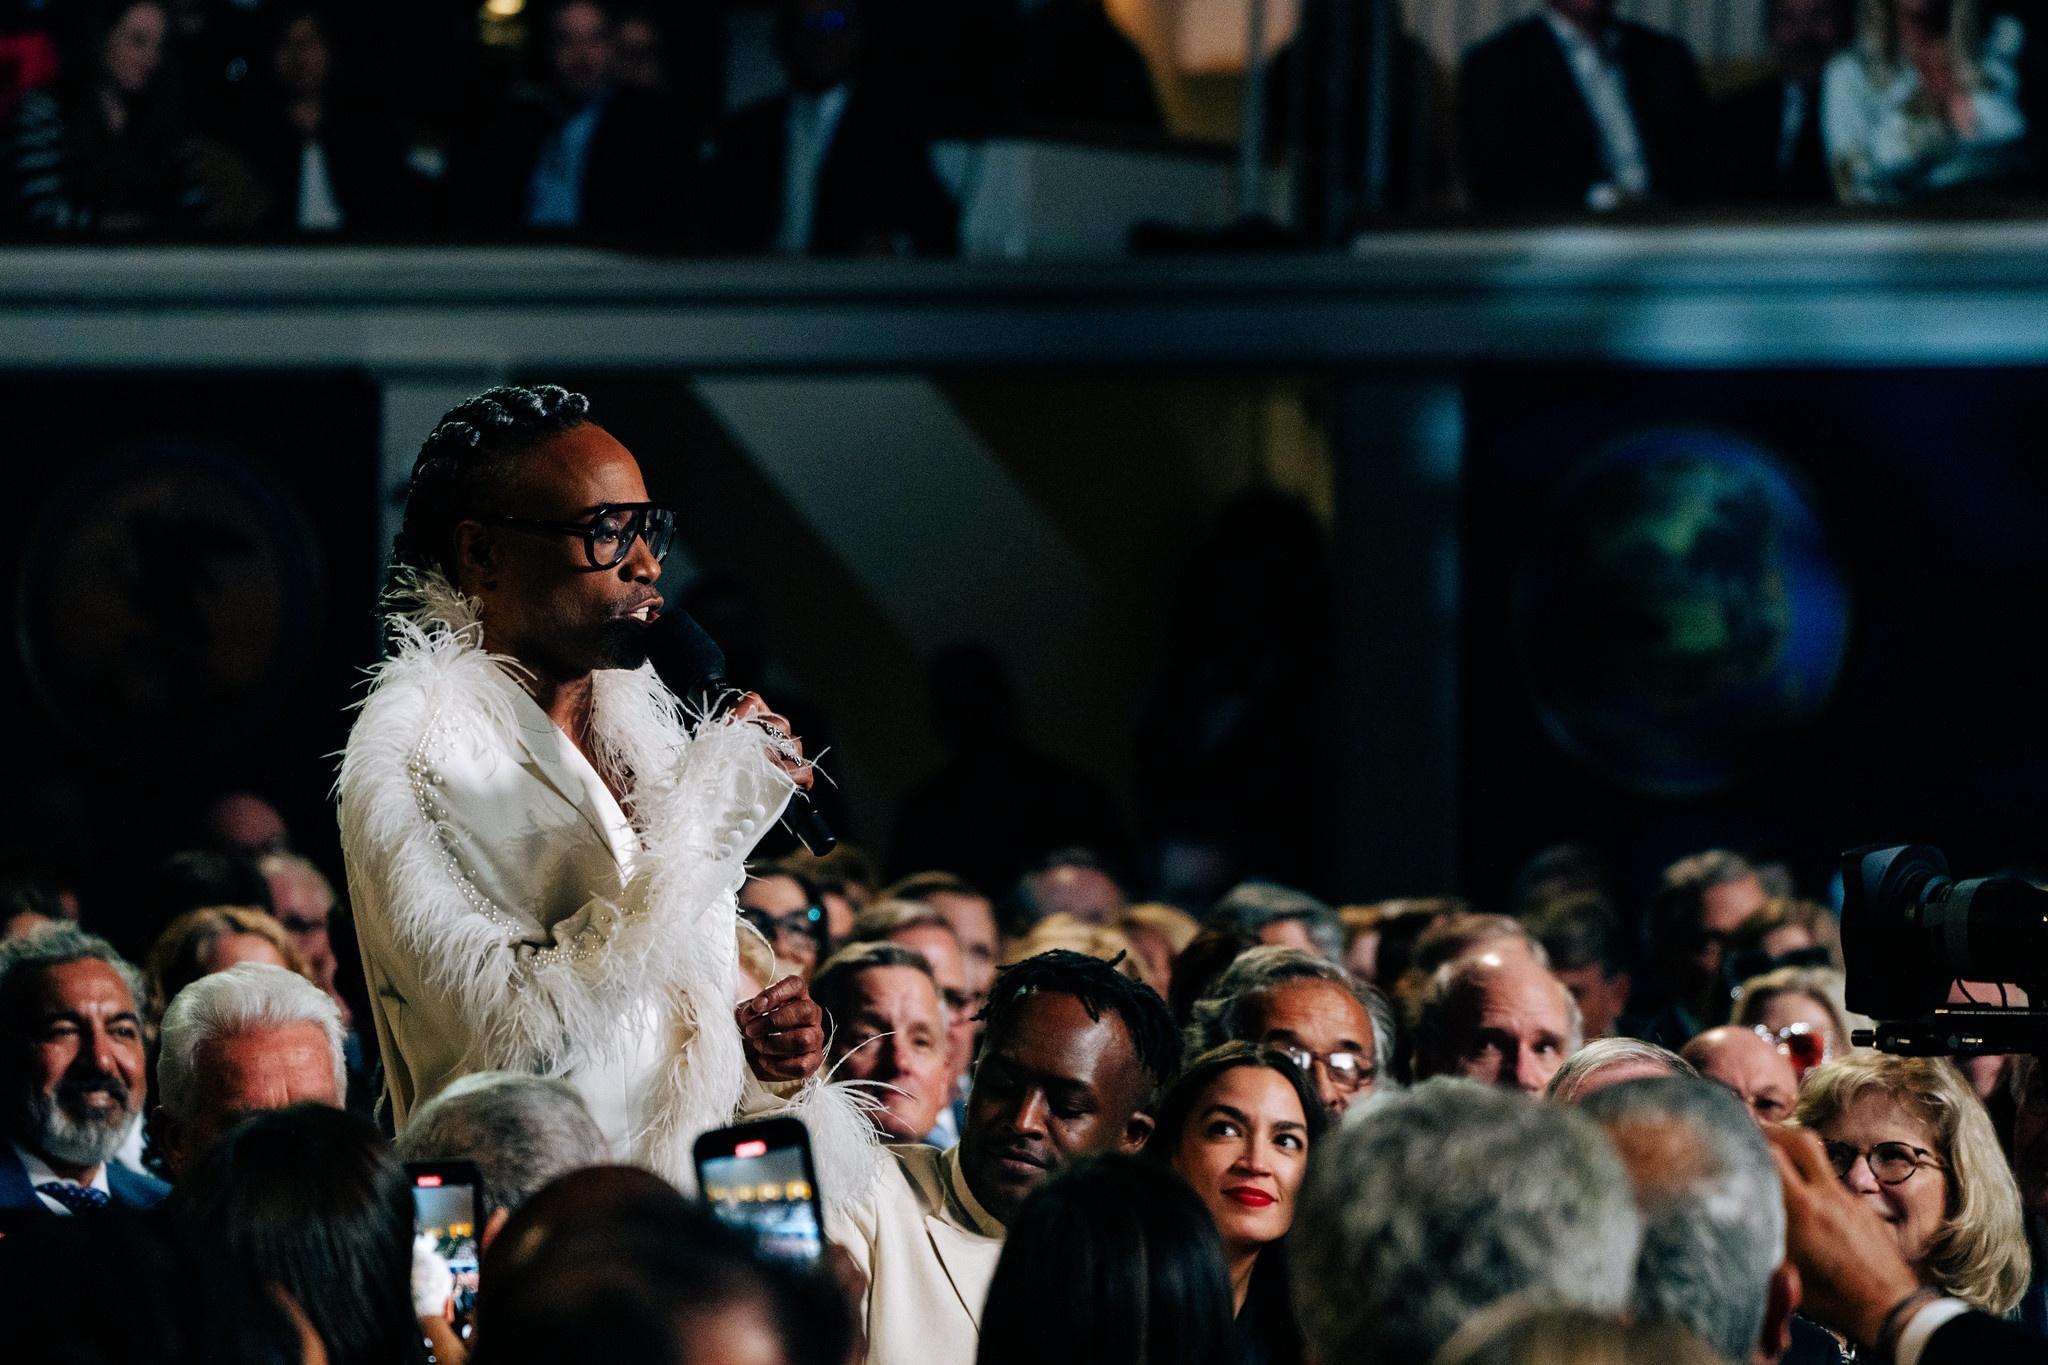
[1713, 1221]
[1432, 1205]
[1222, 1015]
[1455, 979]
[53, 945]
[1249, 907]
[879, 921]
[1603, 1053]
[521, 1131]
[832, 984]
[247, 997]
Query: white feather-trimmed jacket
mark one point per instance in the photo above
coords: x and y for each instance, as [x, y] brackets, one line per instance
[513, 916]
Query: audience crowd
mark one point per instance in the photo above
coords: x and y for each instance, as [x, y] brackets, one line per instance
[612, 120]
[1395, 1134]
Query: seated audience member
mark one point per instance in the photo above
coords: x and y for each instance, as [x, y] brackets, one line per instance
[1756, 1072]
[323, 164]
[1111, 1262]
[926, 932]
[1558, 872]
[640, 51]
[244, 825]
[1074, 70]
[888, 1028]
[1802, 1008]
[1496, 1017]
[1279, 914]
[1072, 882]
[1072, 1054]
[1157, 933]
[1908, 1137]
[644, 1275]
[72, 1075]
[836, 167]
[1713, 1220]
[579, 153]
[1926, 102]
[1077, 936]
[1519, 1335]
[1607, 1062]
[845, 880]
[1238, 1125]
[212, 939]
[1435, 1204]
[105, 149]
[1339, 1033]
[1700, 902]
[301, 899]
[1584, 939]
[1787, 932]
[1767, 136]
[1856, 1282]
[251, 1038]
[1207, 956]
[1402, 924]
[312, 1205]
[972, 915]
[182, 1301]
[785, 906]
[521, 1131]
[1576, 109]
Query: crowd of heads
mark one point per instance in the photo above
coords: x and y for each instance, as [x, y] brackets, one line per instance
[1403, 1132]
[613, 119]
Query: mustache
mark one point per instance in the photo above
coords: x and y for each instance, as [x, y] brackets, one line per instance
[101, 1082]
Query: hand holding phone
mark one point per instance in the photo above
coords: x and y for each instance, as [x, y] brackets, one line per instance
[759, 1177]
[447, 1206]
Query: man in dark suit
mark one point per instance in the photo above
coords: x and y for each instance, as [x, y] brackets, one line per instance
[1767, 138]
[582, 154]
[72, 1079]
[1576, 109]
[836, 167]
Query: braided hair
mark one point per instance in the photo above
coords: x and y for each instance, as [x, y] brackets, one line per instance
[466, 454]
[1099, 986]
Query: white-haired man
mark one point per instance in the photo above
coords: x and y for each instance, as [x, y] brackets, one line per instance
[521, 1131]
[72, 1077]
[1431, 1206]
[251, 1038]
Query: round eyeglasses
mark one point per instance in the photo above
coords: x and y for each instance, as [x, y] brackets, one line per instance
[609, 534]
[1345, 1069]
[1893, 1163]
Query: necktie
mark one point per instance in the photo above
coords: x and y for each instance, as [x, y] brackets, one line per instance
[77, 1198]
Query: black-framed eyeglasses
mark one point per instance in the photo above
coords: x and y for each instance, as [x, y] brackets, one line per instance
[1893, 1163]
[809, 921]
[609, 534]
[1346, 1070]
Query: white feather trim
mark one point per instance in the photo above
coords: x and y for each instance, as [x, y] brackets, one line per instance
[667, 952]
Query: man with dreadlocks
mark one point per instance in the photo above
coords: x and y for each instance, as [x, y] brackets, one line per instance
[541, 856]
[1073, 1053]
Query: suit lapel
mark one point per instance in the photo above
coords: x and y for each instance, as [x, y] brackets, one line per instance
[16, 1194]
[957, 1251]
[547, 753]
[1580, 138]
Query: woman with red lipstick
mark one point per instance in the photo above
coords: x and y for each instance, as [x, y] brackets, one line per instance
[1237, 1126]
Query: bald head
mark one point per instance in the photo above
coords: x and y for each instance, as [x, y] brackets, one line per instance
[1497, 1017]
[1736, 1059]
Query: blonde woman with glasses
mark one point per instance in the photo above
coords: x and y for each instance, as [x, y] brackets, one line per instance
[1908, 1137]
[1925, 102]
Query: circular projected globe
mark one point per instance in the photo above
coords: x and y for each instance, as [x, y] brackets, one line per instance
[1678, 617]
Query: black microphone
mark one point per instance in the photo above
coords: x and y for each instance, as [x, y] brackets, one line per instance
[690, 663]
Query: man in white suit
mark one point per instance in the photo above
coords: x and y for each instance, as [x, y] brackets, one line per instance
[541, 856]
[1072, 1055]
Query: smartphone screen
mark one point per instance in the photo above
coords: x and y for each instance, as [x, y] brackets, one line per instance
[446, 1206]
[758, 1176]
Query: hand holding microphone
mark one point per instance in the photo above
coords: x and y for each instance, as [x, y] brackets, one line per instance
[690, 663]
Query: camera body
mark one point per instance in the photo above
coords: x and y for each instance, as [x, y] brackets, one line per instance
[1910, 931]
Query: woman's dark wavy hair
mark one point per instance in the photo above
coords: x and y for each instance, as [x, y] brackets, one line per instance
[1113, 1261]
[309, 1199]
[464, 459]
[1177, 1106]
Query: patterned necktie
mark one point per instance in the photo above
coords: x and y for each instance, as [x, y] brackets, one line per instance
[77, 1198]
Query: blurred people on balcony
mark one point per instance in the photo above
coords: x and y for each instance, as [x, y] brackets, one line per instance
[1926, 103]
[1574, 108]
[321, 162]
[1767, 135]
[579, 153]
[835, 167]
[105, 149]
[1074, 70]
